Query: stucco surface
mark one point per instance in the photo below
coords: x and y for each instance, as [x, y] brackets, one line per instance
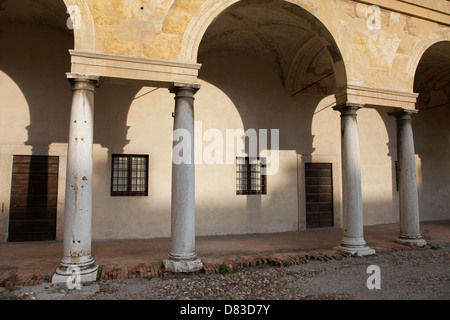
[380, 48]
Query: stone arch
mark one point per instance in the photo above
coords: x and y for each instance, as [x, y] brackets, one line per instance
[212, 9]
[421, 47]
[197, 27]
[83, 24]
[424, 74]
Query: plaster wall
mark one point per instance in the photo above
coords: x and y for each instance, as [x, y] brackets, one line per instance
[431, 130]
[238, 92]
[35, 99]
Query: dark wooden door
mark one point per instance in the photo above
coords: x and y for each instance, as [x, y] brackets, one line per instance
[34, 190]
[319, 195]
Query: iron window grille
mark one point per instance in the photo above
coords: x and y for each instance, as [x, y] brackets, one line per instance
[250, 176]
[129, 175]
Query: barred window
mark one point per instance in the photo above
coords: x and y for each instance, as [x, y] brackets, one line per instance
[129, 176]
[250, 176]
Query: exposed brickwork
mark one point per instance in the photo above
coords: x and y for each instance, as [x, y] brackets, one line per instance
[24, 278]
[13, 278]
[130, 271]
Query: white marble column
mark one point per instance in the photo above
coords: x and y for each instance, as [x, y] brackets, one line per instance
[183, 257]
[407, 181]
[77, 264]
[352, 219]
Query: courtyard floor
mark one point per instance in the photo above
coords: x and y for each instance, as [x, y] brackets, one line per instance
[32, 263]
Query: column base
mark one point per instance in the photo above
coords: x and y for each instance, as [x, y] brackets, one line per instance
[362, 251]
[355, 246]
[177, 264]
[411, 240]
[74, 274]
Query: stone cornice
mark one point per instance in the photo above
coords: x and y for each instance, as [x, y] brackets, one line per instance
[375, 97]
[416, 8]
[148, 71]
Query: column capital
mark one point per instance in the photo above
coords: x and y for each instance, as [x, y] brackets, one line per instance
[90, 80]
[403, 114]
[348, 108]
[187, 88]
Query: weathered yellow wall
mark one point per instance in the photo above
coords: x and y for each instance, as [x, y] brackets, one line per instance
[155, 31]
[382, 57]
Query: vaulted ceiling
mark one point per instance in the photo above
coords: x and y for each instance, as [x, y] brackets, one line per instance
[50, 13]
[287, 37]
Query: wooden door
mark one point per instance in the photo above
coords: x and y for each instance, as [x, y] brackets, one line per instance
[34, 190]
[319, 195]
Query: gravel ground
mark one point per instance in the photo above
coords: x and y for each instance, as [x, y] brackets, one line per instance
[420, 274]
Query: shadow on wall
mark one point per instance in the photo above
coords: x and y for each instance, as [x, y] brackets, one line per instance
[431, 129]
[391, 128]
[260, 98]
[36, 58]
[262, 102]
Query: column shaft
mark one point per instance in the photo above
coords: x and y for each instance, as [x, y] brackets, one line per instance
[78, 202]
[407, 182]
[183, 257]
[352, 219]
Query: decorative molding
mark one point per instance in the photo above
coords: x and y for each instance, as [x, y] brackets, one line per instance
[403, 114]
[413, 8]
[428, 5]
[375, 97]
[149, 71]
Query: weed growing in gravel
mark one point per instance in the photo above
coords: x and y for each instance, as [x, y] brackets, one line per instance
[224, 269]
[271, 262]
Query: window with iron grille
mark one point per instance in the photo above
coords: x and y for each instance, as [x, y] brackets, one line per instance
[250, 176]
[129, 175]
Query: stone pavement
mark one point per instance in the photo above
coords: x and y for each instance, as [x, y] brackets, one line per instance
[32, 263]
